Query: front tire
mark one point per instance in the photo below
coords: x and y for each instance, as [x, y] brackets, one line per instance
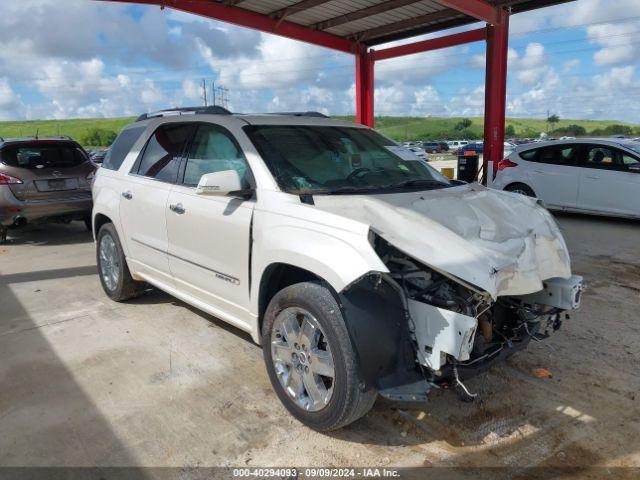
[113, 271]
[310, 359]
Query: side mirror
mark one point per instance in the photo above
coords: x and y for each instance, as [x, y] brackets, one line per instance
[635, 168]
[220, 183]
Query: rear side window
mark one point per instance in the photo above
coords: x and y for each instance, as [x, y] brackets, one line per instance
[164, 150]
[121, 146]
[555, 155]
[35, 157]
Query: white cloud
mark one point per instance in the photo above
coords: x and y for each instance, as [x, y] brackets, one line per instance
[10, 102]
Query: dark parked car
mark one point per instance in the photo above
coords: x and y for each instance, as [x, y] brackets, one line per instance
[432, 147]
[470, 147]
[444, 146]
[43, 179]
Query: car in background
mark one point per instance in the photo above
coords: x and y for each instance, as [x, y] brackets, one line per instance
[419, 152]
[444, 146]
[455, 144]
[98, 156]
[43, 179]
[508, 148]
[467, 149]
[432, 147]
[596, 176]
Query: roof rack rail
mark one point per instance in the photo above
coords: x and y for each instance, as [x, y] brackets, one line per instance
[211, 110]
[301, 114]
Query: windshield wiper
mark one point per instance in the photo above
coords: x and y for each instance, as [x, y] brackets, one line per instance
[347, 190]
[419, 182]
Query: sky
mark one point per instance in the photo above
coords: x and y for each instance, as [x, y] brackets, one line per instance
[84, 59]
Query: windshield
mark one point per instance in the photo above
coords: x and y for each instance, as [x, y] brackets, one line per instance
[315, 159]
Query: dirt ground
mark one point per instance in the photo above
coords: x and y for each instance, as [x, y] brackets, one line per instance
[86, 381]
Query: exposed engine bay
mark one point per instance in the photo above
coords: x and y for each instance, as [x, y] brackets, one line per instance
[458, 330]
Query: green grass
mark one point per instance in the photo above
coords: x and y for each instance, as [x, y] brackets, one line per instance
[74, 128]
[398, 128]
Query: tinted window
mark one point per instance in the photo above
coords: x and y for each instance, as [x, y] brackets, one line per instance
[598, 156]
[529, 155]
[213, 150]
[121, 146]
[161, 157]
[629, 160]
[557, 155]
[605, 157]
[43, 156]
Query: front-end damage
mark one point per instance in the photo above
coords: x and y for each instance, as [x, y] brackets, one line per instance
[415, 328]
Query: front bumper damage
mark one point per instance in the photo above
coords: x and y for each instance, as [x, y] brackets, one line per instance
[406, 347]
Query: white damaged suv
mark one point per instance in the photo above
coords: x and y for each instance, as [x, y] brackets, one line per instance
[358, 268]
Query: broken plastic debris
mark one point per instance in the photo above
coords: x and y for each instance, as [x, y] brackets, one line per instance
[542, 373]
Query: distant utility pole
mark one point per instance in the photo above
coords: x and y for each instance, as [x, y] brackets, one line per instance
[224, 96]
[204, 91]
[213, 93]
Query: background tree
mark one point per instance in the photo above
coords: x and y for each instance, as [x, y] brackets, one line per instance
[510, 131]
[98, 137]
[570, 131]
[464, 124]
[552, 120]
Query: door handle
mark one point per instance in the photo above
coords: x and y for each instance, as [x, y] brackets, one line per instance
[177, 208]
[593, 176]
[127, 195]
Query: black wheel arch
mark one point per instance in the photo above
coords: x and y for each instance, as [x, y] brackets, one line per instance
[98, 221]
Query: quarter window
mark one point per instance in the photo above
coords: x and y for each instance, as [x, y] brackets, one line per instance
[161, 157]
[121, 146]
[529, 155]
[213, 150]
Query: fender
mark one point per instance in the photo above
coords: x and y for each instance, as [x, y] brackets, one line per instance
[337, 255]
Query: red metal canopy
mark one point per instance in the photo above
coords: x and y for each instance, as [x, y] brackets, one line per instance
[354, 26]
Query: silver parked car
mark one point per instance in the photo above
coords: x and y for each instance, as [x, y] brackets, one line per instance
[599, 176]
[43, 179]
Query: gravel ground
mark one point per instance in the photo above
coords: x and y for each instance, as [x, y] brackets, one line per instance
[152, 382]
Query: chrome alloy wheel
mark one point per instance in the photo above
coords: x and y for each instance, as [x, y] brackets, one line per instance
[302, 358]
[109, 262]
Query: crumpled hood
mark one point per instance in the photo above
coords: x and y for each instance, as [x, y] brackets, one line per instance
[503, 243]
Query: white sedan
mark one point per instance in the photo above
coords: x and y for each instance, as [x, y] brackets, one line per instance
[597, 176]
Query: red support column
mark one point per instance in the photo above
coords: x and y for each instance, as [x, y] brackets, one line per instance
[364, 88]
[495, 91]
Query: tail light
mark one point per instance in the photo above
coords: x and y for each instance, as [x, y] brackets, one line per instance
[506, 163]
[8, 179]
[91, 177]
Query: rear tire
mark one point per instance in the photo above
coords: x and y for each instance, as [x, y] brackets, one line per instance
[113, 271]
[322, 335]
[520, 188]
